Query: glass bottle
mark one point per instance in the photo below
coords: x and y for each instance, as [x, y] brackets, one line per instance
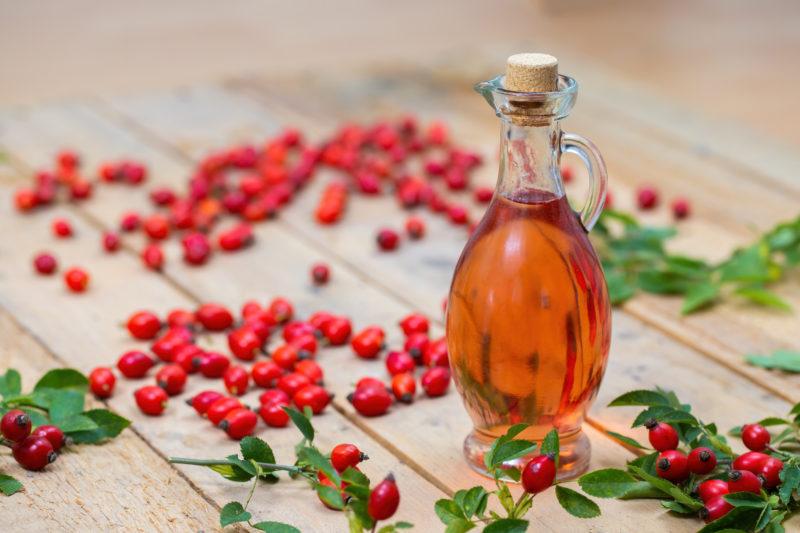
[528, 316]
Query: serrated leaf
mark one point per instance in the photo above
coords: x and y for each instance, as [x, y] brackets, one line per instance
[354, 477]
[576, 503]
[302, 422]
[627, 440]
[609, 483]
[508, 451]
[77, 423]
[550, 445]
[676, 507]
[699, 296]
[739, 517]
[313, 457]
[330, 496]
[9, 485]
[786, 360]
[232, 472]
[667, 487]
[36, 416]
[448, 511]
[256, 450]
[507, 525]
[109, 425]
[646, 463]
[275, 527]
[764, 518]
[745, 499]
[790, 482]
[63, 378]
[233, 513]
[763, 297]
[62, 403]
[475, 501]
[665, 414]
[773, 421]
[640, 397]
[505, 497]
[10, 383]
[459, 526]
[513, 431]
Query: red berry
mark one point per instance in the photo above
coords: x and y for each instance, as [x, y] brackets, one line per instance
[45, 263]
[163, 196]
[368, 382]
[662, 436]
[318, 319]
[539, 474]
[387, 239]
[435, 381]
[383, 499]
[180, 318]
[236, 238]
[750, 461]
[80, 189]
[203, 400]
[25, 199]
[414, 323]
[188, 357]
[130, 222]
[566, 173]
[368, 343]
[715, 508]
[281, 309]
[171, 378]
[239, 423]
[415, 227]
[320, 273]
[457, 214]
[399, 363]
[153, 257]
[102, 381]
[337, 330]
[483, 195]
[214, 365]
[274, 415]
[151, 399]
[62, 228]
[755, 437]
[312, 396]
[51, 433]
[236, 380]
[770, 472]
[172, 341]
[647, 197]
[34, 453]
[245, 343]
[310, 369]
[285, 356]
[15, 425]
[344, 456]
[274, 396]
[371, 400]
[307, 344]
[266, 374]
[681, 208]
[156, 227]
[416, 345]
[404, 386]
[436, 353]
[76, 279]
[67, 160]
[710, 488]
[293, 330]
[672, 465]
[743, 481]
[291, 383]
[133, 172]
[702, 461]
[217, 410]
[214, 317]
[110, 241]
[143, 325]
[196, 248]
[135, 364]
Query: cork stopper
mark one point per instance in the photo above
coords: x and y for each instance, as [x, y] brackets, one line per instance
[531, 73]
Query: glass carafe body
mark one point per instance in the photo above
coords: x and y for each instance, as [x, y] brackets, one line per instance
[528, 316]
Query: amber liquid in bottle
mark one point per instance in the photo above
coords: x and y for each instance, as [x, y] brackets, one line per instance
[528, 324]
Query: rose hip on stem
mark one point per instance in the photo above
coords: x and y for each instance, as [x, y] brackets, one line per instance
[755, 437]
[383, 499]
[539, 473]
[15, 425]
[672, 465]
[662, 436]
[743, 481]
[715, 508]
[702, 461]
[51, 433]
[34, 453]
[712, 487]
[344, 456]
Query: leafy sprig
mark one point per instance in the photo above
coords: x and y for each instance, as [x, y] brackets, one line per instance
[786, 360]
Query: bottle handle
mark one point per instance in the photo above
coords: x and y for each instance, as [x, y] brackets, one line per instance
[598, 177]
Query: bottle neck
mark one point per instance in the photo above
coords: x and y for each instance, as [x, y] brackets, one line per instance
[529, 160]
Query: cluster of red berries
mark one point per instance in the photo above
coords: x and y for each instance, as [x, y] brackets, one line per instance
[371, 396]
[750, 472]
[647, 198]
[75, 278]
[32, 449]
[63, 180]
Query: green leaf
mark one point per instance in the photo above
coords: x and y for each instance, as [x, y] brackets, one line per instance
[668, 488]
[764, 297]
[255, 449]
[646, 463]
[77, 423]
[312, 456]
[550, 445]
[699, 296]
[448, 511]
[786, 360]
[403, 525]
[666, 414]
[743, 518]
[790, 482]
[505, 497]
[576, 503]
[745, 499]
[302, 422]
[507, 525]
[109, 426]
[275, 527]
[475, 501]
[351, 476]
[627, 440]
[330, 496]
[508, 451]
[10, 383]
[233, 513]
[609, 483]
[513, 431]
[62, 403]
[9, 485]
[619, 289]
[232, 473]
[459, 526]
[640, 397]
[764, 518]
[749, 265]
[63, 378]
[37, 418]
[676, 507]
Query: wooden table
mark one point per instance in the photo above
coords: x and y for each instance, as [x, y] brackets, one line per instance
[738, 184]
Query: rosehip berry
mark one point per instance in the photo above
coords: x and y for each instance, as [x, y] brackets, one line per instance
[435, 381]
[266, 374]
[415, 227]
[15, 425]
[750, 461]
[25, 199]
[51, 433]
[111, 241]
[102, 381]
[662, 436]
[770, 472]
[295, 329]
[370, 382]
[539, 473]
[239, 423]
[203, 400]
[344, 456]
[180, 318]
[151, 399]
[214, 317]
[245, 343]
[312, 396]
[318, 319]
[236, 380]
[45, 263]
[281, 309]
[399, 363]
[171, 378]
[143, 325]
[680, 208]
[404, 386]
[387, 239]
[647, 197]
[702, 461]
[34, 453]
[715, 508]
[214, 365]
[274, 396]
[62, 228]
[414, 323]
[416, 345]
[77, 279]
[291, 383]
[370, 400]
[311, 370]
[383, 499]
[368, 343]
[710, 488]
[173, 340]
[307, 344]
[337, 331]
[672, 465]
[163, 196]
[189, 357]
[285, 356]
[196, 248]
[743, 481]
[483, 195]
[274, 415]
[153, 257]
[755, 437]
[130, 222]
[436, 354]
[135, 364]
[236, 238]
[320, 274]
[220, 408]
[458, 214]
[251, 307]
[156, 227]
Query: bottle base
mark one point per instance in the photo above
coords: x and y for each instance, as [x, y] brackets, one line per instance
[574, 454]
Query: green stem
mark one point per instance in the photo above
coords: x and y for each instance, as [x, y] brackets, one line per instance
[220, 462]
[252, 489]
